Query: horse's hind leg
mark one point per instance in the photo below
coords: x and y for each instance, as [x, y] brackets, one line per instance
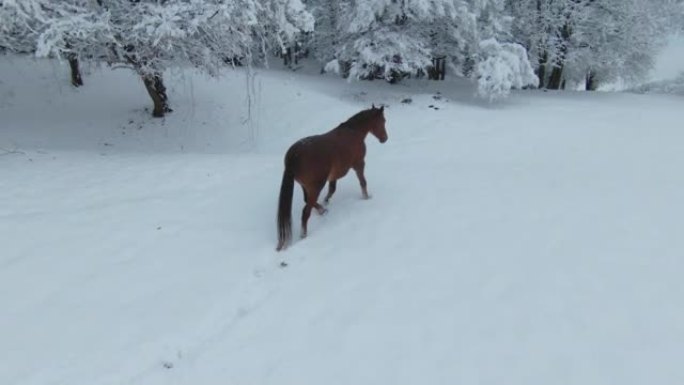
[306, 213]
[320, 209]
[332, 186]
[359, 168]
[311, 196]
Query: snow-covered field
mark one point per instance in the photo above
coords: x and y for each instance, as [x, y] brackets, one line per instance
[534, 241]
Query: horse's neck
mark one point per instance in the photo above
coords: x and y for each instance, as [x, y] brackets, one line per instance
[355, 134]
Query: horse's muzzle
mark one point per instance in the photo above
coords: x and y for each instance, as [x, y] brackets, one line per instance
[383, 139]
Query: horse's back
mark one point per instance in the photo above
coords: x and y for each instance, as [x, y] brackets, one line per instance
[326, 156]
[310, 156]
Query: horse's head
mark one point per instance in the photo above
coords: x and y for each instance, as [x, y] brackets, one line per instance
[377, 127]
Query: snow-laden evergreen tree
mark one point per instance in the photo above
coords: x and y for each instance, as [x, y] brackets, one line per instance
[390, 38]
[150, 36]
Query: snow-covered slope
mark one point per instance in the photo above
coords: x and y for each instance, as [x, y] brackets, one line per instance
[536, 241]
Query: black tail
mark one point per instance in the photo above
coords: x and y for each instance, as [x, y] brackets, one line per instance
[285, 209]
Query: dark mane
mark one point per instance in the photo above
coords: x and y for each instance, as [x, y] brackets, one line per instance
[359, 119]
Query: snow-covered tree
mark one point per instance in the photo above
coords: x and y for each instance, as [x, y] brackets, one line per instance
[491, 41]
[388, 38]
[589, 41]
[150, 36]
[20, 23]
[375, 38]
[34, 26]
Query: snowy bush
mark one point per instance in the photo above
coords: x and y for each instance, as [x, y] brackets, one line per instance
[502, 67]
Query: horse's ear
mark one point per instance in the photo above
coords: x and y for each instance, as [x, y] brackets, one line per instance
[382, 108]
[373, 106]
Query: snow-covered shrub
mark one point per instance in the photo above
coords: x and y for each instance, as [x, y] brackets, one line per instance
[502, 67]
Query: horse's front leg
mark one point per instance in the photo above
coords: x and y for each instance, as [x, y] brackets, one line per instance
[359, 168]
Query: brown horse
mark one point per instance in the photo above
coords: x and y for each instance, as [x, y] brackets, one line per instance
[328, 157]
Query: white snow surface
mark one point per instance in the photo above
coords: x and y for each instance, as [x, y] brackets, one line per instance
[537, 240]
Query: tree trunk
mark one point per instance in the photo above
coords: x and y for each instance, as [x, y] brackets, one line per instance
[544, 58]
[442, 69]
[468, 66]
[345, 68]
[556, 78]
[556, 81]
[76, 79]
[435, 70]
[541, 70]
[591, 84]
[287, 57]
[154, 85]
